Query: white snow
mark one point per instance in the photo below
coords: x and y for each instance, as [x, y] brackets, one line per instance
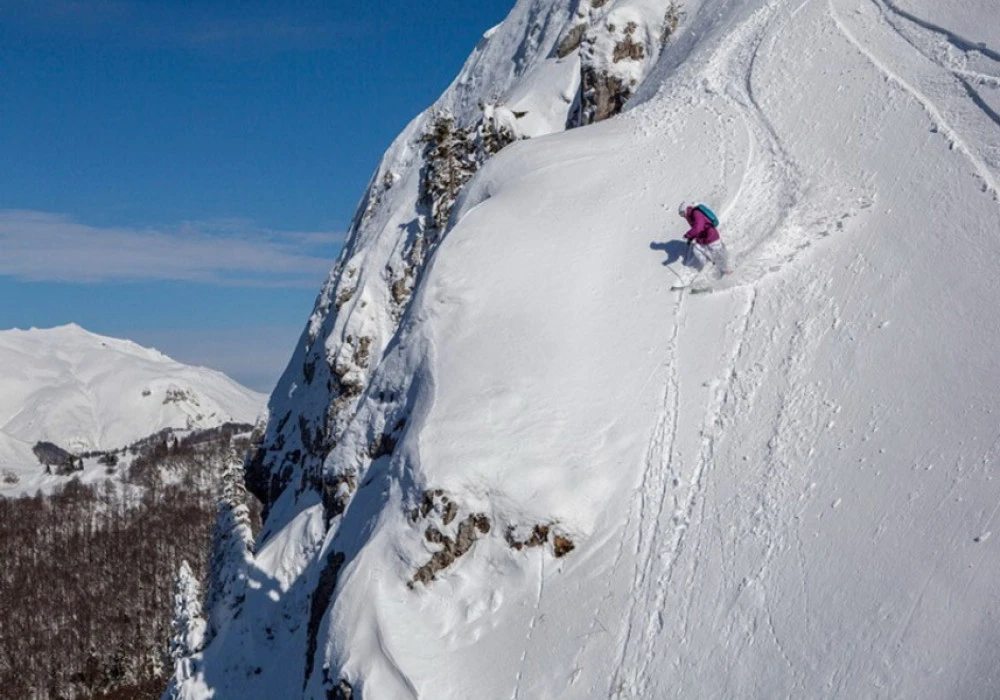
[84, 392]
[746, 475]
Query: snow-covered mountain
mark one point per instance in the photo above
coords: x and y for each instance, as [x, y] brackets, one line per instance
[86, 392]
[506, 461]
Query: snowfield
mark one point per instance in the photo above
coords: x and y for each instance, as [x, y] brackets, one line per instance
[783, 488]
[87, 392]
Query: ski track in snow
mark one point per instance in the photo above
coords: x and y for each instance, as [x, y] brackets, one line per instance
[535, 617]
[954, 39]
[768, 198]
[767, 188]
[768, 216]
[933, 110]
[893, 15]
[774, 483]
[657, 477]
[670, 498]
[768, 183]
[685, 511]
[647, 490]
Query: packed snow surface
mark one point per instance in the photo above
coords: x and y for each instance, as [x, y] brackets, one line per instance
[85, 392]
[785, 488]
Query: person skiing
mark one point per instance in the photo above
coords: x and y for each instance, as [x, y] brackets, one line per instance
[704, 243]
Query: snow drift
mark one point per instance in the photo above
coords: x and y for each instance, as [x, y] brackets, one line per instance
[507, 461]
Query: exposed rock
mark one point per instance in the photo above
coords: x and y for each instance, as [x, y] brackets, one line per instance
[258, 476]
[383, 446]
[362, 351]
[51, 455]
[425, 505]
[178, 395]
[344, 296]
[309, 370]
[602, 96]
[449, 162]
[614, 57]
[450, 511]
[628, 49]
[342, 691]
[539, 535]
[320, 601]
[437, 506]
[375, 195]
[401, 289]
[313, 440]
[571, 42]
[671, 20]
[562, 545]
[453, 154]
[337, 490]
[469, 530]
[496, 130]
[348, 383]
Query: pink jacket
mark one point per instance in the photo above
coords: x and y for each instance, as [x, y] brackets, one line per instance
[702, 230]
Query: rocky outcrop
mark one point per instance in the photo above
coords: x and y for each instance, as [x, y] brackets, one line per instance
[318, 604]
[451, 542]
[55, 459]
[400, 221]
[618, 43]
[342, 691]
[571, 42]
[537, 536]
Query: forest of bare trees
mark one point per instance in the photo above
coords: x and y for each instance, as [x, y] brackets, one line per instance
[87, 575]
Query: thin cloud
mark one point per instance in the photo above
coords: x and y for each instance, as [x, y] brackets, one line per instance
[41, 246]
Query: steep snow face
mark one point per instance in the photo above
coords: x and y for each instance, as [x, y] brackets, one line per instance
[558, 478]
[86, 392]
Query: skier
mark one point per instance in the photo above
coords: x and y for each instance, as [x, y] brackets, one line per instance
[704, 243]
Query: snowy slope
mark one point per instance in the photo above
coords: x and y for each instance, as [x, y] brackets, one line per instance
[86, 392]
[784, 488]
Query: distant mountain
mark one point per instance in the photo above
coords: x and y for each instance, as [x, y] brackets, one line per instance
[84, 392]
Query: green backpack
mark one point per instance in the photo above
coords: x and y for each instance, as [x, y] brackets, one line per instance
[703, 208]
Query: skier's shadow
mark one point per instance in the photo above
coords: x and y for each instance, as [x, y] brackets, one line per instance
[675, 250]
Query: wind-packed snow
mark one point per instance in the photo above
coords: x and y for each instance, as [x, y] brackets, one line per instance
[783, 488]
[86, 392]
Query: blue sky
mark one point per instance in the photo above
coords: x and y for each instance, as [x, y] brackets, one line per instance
[181, 173]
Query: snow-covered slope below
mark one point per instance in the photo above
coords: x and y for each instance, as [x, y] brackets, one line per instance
[86, 392]
[563, 480]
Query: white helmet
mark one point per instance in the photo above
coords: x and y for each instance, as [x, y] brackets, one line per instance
[683, 209]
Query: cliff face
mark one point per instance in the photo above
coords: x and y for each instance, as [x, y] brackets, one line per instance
[547, 67]
[507, 461]
[524, 80]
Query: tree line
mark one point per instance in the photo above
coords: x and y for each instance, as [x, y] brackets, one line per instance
[87, 575]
